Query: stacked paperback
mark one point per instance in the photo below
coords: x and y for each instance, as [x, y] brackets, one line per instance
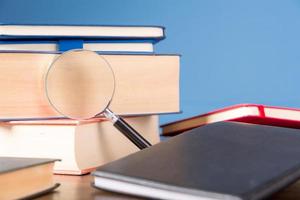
[147, 84]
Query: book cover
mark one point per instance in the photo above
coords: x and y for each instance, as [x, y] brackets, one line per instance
[249, 113]
[224, 160]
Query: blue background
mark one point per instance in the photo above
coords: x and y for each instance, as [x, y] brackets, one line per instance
[232, 51]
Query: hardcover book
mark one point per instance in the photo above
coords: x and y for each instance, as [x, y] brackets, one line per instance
[249, 113]
[22, 178]
[224, 160]
[145, 84]
[80, 145]
[51, 31]
[64, 45]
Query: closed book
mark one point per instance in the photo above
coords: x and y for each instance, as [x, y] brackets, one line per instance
[144, 84]
[60, 31]
[224, 160]
[28, 178]
[93, 45]
[249, 113]
[80, 145]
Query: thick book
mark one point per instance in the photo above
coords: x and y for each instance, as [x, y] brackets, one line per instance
[224, 160]
[249, 113]
[63, 45]
[28, 178]
[80, 145]
[51, 31]
[145, 84]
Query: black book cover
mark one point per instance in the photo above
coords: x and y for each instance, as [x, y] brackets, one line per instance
[224, 160]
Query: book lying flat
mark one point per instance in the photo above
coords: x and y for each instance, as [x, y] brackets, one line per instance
[249, 113]
[145, 84]
[93, 45]
[224, 160]
[25, 177]
[44, 31]
[80, 145]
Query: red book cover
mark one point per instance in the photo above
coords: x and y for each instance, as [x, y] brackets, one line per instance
[249, 113]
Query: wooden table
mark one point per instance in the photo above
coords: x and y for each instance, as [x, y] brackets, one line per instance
[79, 188]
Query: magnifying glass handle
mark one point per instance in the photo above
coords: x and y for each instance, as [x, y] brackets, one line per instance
[127, 130]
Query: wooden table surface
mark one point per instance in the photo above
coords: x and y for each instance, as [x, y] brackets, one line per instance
[79, 188]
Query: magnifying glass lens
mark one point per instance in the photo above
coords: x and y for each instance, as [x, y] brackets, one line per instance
[80, 84]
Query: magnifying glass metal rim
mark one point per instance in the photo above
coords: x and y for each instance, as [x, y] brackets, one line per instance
[101, 112]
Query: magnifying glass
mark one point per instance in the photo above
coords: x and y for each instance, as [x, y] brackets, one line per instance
[80, 84]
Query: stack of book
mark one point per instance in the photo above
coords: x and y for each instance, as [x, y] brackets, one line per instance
[147, 84]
